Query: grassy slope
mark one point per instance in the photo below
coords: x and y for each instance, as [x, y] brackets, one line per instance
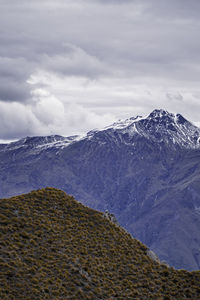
[53, 247]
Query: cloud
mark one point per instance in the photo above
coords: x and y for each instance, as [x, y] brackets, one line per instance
[16, 120]
[103, 59]
[14, 73]
[47, 115]
[174, 96]
[75, 61]
[65, 118]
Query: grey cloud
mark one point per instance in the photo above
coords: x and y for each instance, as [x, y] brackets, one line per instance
[114, 35]
[14, 73]
[114, 2]
[174, 9]
[174, 96]
[75, 61]
[135, 41]
[14, 90]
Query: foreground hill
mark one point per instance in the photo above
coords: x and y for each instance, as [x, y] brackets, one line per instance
[144, 170]
[53, 247]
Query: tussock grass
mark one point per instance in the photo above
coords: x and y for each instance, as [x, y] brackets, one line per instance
[53, 247]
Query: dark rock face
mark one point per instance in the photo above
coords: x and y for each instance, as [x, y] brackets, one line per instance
[144, 170]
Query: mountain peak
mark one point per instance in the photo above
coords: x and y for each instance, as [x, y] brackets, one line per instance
[161, 126]
[162, 121]
[157, 116]
[160, 113]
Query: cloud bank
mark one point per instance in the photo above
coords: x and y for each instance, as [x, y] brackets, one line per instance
[70, 66]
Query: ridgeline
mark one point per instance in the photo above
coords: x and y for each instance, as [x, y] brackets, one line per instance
[53, 247]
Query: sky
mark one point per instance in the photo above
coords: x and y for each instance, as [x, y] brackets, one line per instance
[69, 66]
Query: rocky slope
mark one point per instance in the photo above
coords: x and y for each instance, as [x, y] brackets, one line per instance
[144, 170]
[53, 247]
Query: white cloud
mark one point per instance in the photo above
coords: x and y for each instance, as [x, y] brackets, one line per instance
[47, 108]
[65, 118]
[47, 115]
[121, 97]
[17, 120]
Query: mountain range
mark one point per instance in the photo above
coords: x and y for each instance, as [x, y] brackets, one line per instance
[53, 247]
[145, 170]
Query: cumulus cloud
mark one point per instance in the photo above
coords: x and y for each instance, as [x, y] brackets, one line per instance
[47, 115]
[16, 120]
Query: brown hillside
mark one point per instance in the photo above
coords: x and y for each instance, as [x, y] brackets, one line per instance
[53, 247]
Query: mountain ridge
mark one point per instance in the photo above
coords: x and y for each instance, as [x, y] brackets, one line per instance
[150, 182]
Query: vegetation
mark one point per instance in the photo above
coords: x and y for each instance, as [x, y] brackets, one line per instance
[53, 247]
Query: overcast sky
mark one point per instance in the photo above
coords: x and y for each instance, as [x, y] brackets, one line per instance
[68, 66]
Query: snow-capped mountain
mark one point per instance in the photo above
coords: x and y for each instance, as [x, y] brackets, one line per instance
[38, 143]
[145, 170]
[167, 127]
[160, 126]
